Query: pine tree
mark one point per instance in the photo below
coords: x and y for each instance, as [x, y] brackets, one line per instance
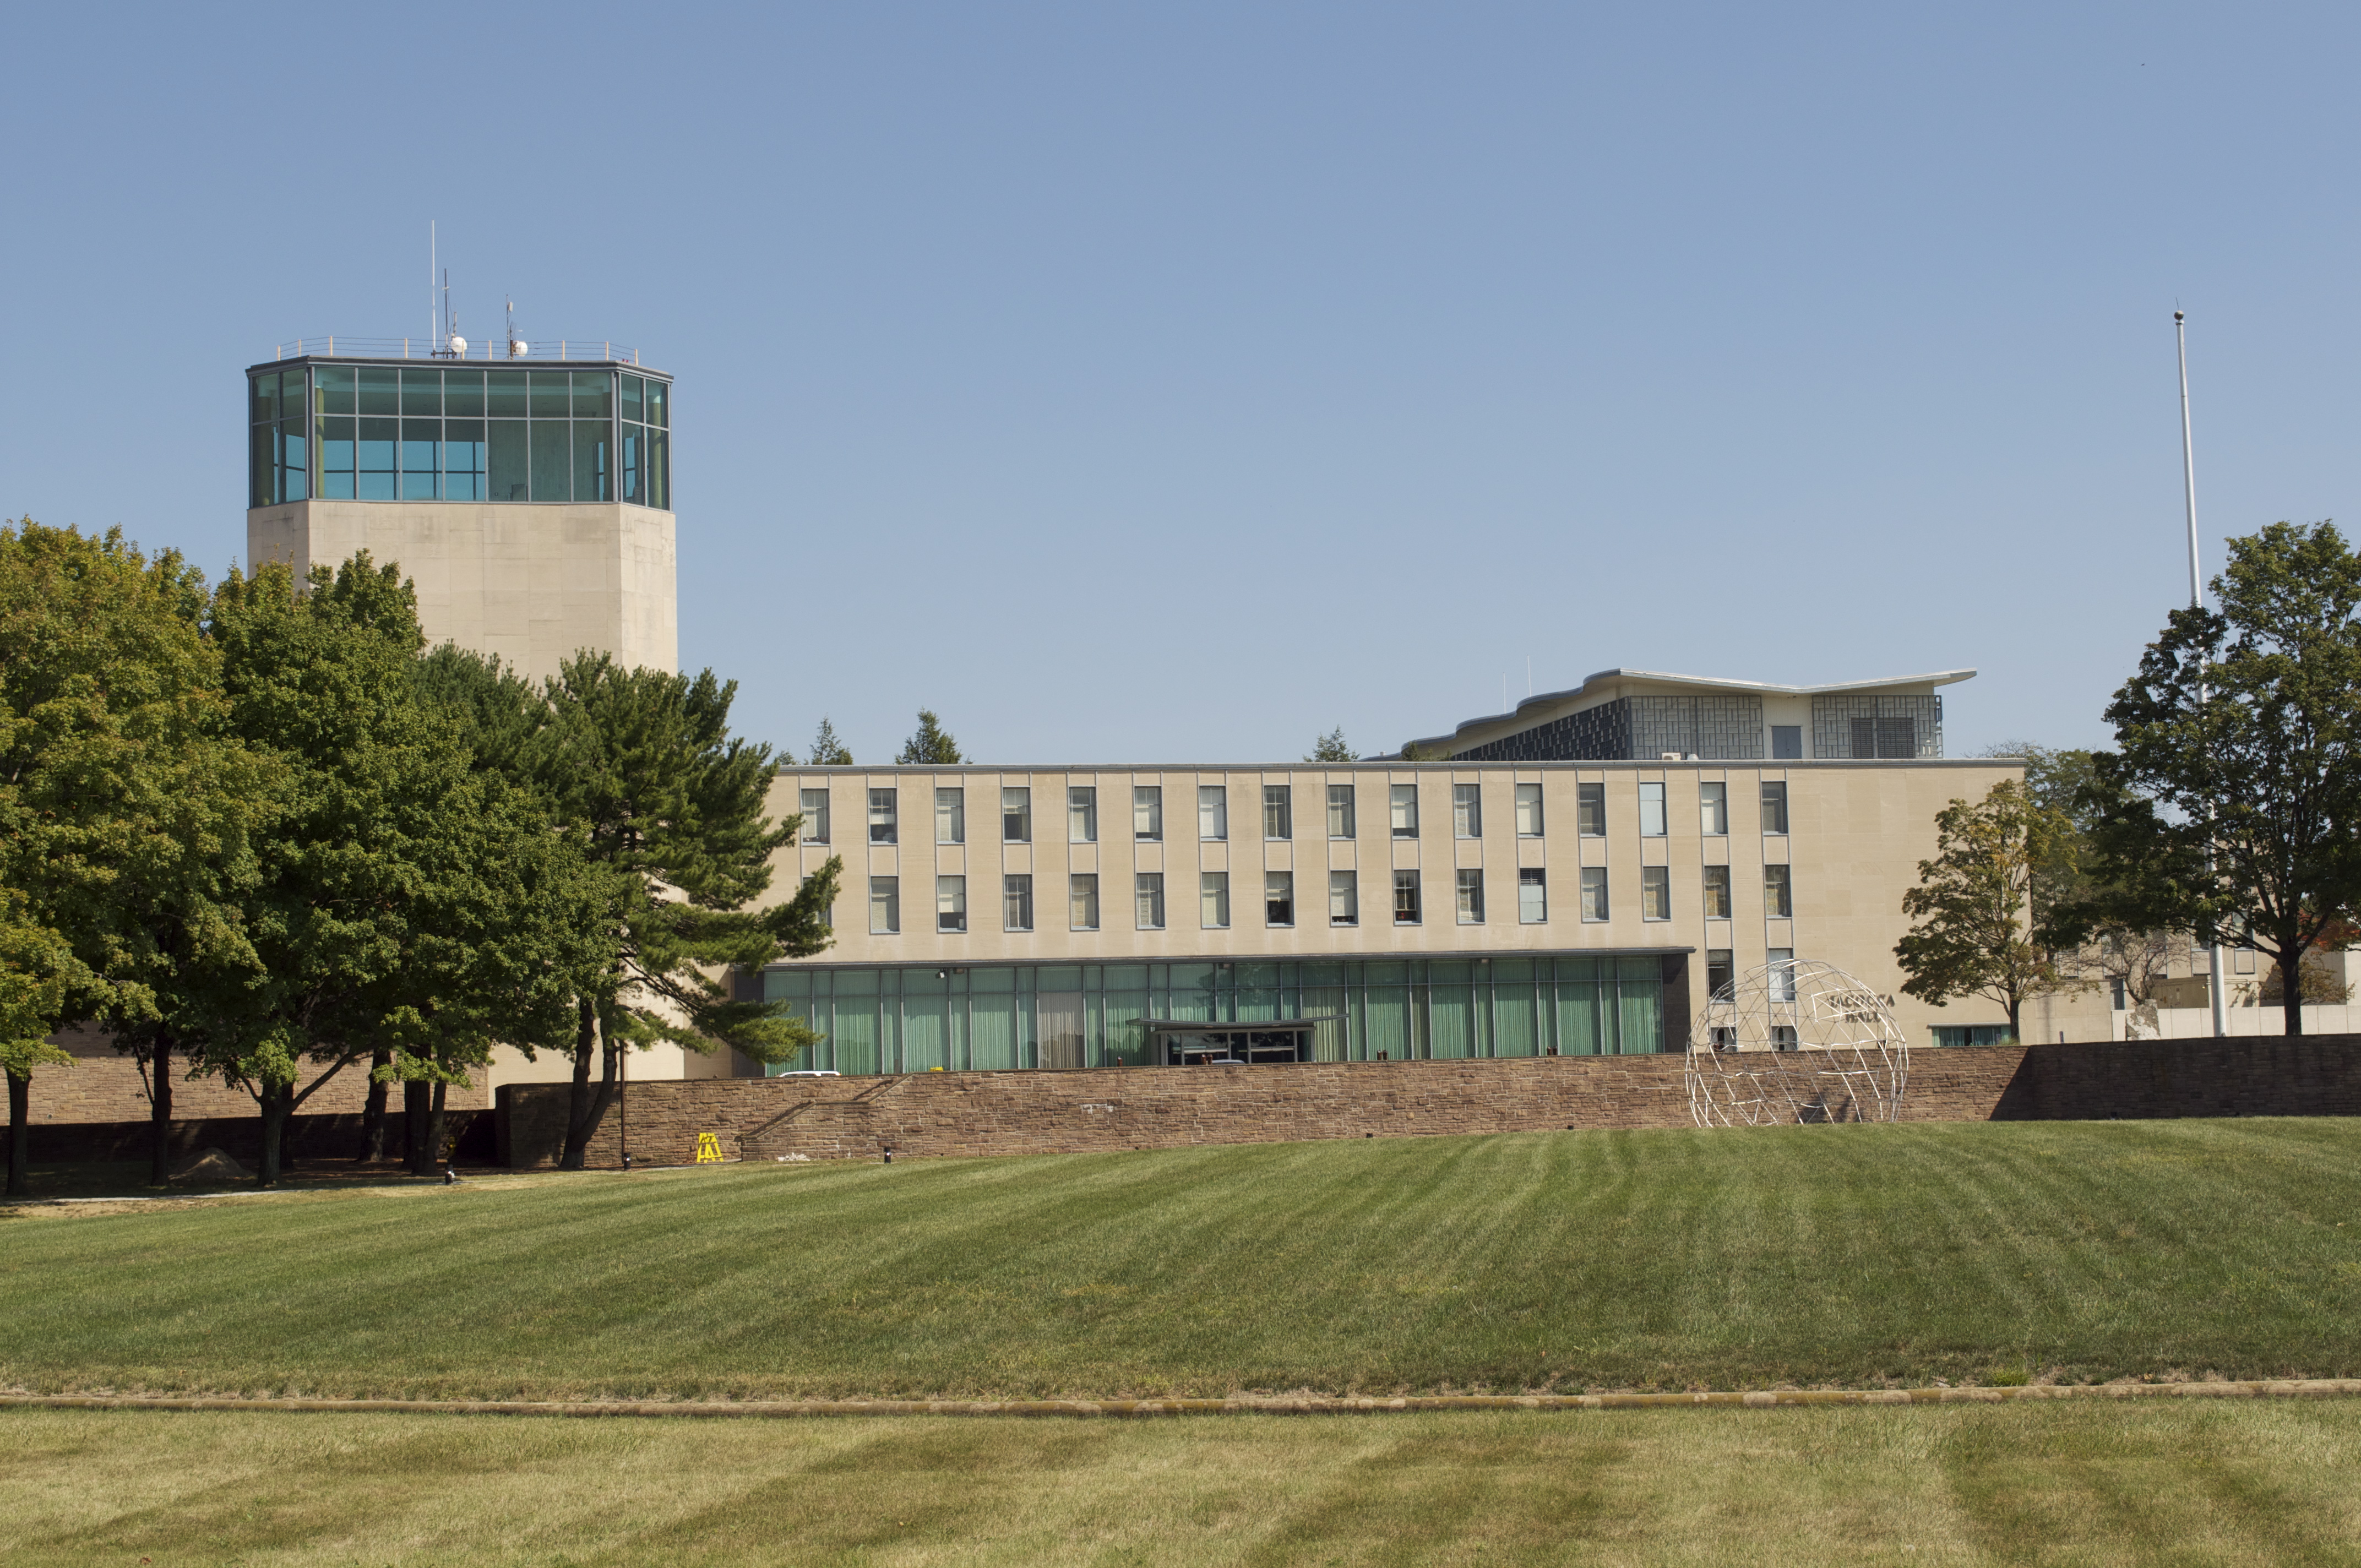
[931, 746]
[1330, 748]
[828, 752]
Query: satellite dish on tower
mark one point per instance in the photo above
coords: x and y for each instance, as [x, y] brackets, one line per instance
[459, 347]
[516, 348]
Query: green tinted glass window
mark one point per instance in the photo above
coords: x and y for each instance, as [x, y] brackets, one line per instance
[504, 394]
[334, 383]
[631, 399]
[594, 394]
[337, 453]
[463, 393]
[376, 452]
[508, 474]
[262, 467]
[630, 461]
[379, 391]
[294, 460]
[659, 471]
[421, 440]
[553, 478]
[594, 472]
[549, 394]
[265, 405]
[463, 460]
[421, 392]
[659, 404]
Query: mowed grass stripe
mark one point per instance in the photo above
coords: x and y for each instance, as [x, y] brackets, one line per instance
[1742, 1258]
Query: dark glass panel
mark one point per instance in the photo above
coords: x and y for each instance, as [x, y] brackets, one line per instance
[594, 469]
[552, 468]
[463, 394]
[463, 460]
[378, 441]
[422, 393]
[509, 479]
[336, 458]
[504, 395]
[549, 394]
[264, 406]
[659, 471]
[380, 391]
[294, 461]
[594, 394]
[421, 441]
[631, 397]
[334, 384]
[635, 441]
[261, 469]
[659, 404]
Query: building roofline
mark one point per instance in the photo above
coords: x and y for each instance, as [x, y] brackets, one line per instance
[1705, 683]
[435, 362]
[1392, 764]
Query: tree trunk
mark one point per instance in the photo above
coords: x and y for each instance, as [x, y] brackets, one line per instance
[373, 1112]
[2291, 999]
[20, 1122]
[434, 1131]
[586, 1107]
[277, 1100]
[2015, 1006]
[159, 1111]
[417, 1106]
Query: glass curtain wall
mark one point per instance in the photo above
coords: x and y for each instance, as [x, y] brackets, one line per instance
[387, 433]
[1042, 1015]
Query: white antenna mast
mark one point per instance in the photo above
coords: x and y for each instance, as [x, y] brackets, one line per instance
[2197, 601]
[434, 323]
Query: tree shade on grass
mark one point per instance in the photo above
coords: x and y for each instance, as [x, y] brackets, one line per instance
[2220, 1484]
[1813, 1255]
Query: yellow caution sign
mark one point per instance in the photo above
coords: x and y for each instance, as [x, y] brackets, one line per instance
[709, 1149]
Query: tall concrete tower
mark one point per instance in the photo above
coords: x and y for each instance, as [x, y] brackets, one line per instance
[528, 497]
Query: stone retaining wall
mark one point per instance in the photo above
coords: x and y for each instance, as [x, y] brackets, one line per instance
[955, 1114]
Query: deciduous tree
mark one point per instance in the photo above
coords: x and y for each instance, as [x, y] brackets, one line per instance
[1973, 905]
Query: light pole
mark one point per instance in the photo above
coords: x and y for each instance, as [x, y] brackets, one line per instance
[2197, 601]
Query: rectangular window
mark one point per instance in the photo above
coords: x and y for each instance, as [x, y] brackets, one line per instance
[1340, 811]
[1017, 904]
[1406, 912]
[1778, 901]
[950, 904]
[1719, 973]
[1017, 816]
[1890, 739]
[1533, 896]
[1083, 901]
[1786, 743]
[421, 450]
[1774, 806]
[1783, 974]
[950, 817]
[1590, 810]
[1782, 1036]
[1148, 899]
[1083, 815]
[1213, 900]
[1344, 898]
[336, 460]
[1468, 885]
[1713, 809]
[814, 817]
[1404, 799]
[510, 472]
[880, 815]
[1655, 892]
[1278, 811]
[1717, 893]
[1529, 811]
[1279, 898]
[1651, 811]
[1147, 812]
[1467, 811]
[885, 905]
[463, 460]
[1213, 812]
[1594, 892]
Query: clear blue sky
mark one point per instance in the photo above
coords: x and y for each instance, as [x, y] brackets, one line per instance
[1166, 383]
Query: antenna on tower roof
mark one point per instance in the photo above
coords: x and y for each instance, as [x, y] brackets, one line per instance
[516, 345]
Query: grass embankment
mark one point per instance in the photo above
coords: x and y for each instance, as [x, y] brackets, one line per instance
[1746, 1258]
[2254, 1483]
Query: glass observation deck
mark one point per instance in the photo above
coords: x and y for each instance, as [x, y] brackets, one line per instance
[358, 429]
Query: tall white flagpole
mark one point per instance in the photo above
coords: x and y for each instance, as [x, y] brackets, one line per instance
[2197, 601]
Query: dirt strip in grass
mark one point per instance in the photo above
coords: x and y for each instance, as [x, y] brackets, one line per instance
[2232, 1483]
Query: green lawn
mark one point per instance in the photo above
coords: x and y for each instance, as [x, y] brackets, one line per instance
[1738, 1258]
[2084, 1484]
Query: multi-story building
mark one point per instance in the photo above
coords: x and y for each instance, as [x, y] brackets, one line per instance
[1577, 879]
[528, 497]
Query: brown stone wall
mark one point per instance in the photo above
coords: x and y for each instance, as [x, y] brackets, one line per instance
[311, 1139]
[956, 1113]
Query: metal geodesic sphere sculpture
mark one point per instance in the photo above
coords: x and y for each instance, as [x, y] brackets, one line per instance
[1795, 1041]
